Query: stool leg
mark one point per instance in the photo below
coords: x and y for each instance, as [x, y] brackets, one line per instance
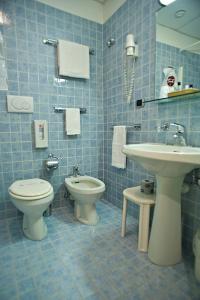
[124, 213]
[143, 238]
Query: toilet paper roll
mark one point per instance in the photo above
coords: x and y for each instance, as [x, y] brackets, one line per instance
[147, 186]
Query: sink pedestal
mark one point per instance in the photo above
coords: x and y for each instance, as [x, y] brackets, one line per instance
[170, 164]
[165, 239]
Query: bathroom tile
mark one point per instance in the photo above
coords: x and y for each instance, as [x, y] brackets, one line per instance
[72, 248]
[95, 296]
[152, 114]
[76, 261]
[32, 295]
[31, 72]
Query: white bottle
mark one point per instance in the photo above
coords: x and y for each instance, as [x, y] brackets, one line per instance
[164, 91]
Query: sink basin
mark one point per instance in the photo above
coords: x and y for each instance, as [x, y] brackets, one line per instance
[164, 160]
[170, 164]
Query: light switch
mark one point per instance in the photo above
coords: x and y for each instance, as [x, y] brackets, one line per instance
[22, 104]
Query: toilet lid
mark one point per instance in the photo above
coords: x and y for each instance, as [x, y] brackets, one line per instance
[30, 187]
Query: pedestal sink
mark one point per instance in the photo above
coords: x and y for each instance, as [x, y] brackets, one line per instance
[170, 164]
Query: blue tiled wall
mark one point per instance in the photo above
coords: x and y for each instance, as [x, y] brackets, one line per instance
[167, 55]
[138, 17]
[31, 69]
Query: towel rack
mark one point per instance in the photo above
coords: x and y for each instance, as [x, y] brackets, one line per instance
[54, 43]
[57, 109]
[135, 127]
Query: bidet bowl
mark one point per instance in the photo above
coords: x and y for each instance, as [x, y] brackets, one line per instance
[170, 164]
[85, 185]
[86, 191]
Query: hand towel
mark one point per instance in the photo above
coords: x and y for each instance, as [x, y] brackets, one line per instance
[119, 140]
[72, 121]
[73, 60]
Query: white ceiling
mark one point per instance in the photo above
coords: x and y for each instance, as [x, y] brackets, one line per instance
[188, 25]
[95, 10]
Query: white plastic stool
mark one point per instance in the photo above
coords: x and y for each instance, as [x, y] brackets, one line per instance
[144, 201]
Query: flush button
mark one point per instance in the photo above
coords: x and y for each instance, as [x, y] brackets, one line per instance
[22, 104]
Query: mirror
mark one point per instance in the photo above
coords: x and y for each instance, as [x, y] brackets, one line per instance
[178, 44]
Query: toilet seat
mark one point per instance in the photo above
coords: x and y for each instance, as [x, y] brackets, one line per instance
[30, 189]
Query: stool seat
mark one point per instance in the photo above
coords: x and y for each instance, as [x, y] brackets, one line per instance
[135, 195]
[145, 201]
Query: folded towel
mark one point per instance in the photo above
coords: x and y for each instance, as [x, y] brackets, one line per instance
[72, 121]
[119, 140]
[73, 60]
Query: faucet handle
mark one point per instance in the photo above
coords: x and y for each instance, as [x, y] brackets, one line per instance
[165, 126]
[76, 167]
[76, 170]
[180, 128]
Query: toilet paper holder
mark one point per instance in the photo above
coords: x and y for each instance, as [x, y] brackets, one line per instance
[52, 162]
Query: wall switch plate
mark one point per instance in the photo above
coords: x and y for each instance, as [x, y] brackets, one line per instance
[140, 103]
[21, 104]
[41, 133]
[137, 127]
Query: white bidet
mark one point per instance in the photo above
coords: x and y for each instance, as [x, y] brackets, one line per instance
[85, 191]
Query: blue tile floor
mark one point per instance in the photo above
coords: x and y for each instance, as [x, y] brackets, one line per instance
[80, 262]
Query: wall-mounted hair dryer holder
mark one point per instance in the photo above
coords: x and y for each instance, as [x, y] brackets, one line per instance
[110, 42]
[130, 55]
[131, 46]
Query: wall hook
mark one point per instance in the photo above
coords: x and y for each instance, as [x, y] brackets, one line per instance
[110, 42]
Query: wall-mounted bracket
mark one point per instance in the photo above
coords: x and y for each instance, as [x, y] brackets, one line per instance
[59, 109]
[54, 43]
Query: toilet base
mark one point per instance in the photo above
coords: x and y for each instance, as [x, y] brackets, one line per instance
[86, 213]
[34, 228]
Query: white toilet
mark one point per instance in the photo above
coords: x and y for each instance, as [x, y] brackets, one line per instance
[85, 191]
[32, 197]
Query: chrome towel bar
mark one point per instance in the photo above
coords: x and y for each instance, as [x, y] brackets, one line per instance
[58, 109]
[135, 127]
[54, 43]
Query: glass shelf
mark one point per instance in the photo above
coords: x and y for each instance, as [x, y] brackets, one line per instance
[193, 95]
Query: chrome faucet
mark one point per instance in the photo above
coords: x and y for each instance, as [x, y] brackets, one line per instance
[179, 136]
[75, 172]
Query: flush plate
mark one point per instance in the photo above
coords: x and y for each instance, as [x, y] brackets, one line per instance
[21, 104]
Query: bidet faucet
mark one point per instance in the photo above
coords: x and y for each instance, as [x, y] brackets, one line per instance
[76, 171]
[179, 136]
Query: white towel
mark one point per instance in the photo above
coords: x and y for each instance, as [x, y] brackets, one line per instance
[119, 140]
[72, 121]
[73, 60]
